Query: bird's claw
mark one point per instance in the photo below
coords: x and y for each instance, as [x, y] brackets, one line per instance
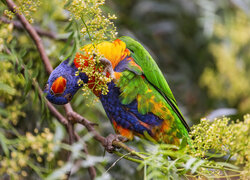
[109, 141]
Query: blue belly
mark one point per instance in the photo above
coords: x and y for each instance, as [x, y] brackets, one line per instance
[127, 116]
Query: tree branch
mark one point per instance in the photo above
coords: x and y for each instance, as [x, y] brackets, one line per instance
[40, 31]
[33, 34]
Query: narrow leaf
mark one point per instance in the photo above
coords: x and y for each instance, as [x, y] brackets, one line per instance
[6, 88]
[197, 165]
[189, 163]
[3, 144]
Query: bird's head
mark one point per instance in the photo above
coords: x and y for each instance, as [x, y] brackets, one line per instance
[63, 83]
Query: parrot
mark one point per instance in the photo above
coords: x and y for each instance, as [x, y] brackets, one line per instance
[139, 101]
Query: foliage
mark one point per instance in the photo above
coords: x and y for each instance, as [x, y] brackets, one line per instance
[12, 111]
[223, 139]
[216, 150]
[25, 151]
[94, 26]
[5, 34]
[231, 52]
[25, 7]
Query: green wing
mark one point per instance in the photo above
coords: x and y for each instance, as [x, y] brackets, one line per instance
[148, 65]
[152, 73]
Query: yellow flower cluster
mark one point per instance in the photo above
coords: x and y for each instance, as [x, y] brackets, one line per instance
[98, 28]
[93, 22]
[14, 165]
[25, 7]
[222, 138]
[5, 34]
[40, 146]
[89, 64]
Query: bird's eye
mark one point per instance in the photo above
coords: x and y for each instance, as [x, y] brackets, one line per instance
[46, 87]
[68, 96]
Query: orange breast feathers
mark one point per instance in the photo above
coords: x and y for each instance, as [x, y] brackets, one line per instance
[114, 51]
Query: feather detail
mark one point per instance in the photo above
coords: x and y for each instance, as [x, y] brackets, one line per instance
[113, 51]
[123, 131]
[134, 86]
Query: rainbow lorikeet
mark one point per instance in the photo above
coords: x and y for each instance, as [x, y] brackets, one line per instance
[139, 100]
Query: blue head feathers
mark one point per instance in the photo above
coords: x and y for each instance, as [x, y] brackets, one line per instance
[63, 83]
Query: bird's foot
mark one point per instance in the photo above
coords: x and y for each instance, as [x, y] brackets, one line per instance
[109, 141]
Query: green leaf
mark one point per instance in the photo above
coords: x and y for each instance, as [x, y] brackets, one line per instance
[5, 57]
[6, 88]
[59, 133]
[228, 165]
[3, 112]
[67, 4]
[27, 87]
[183, 143]
[42, 105]
[67, 43]
[197, 165]
[57, 174]
[71, 55]
[104, 176]
[93, 160]
[28, 83]
[19, 67]
[22, 53]
[29, 65]
[69, 26]
[189, 163]
[35, 73]
[36, 95]
[3, 144]
[4, 2]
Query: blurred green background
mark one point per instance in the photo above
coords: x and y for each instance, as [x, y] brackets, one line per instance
[201, 46]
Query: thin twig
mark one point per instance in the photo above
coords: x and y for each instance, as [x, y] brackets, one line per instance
[89, 126]
[40, 31]
[114, 163]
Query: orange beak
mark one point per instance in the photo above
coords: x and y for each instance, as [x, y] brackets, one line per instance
[59, 85]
